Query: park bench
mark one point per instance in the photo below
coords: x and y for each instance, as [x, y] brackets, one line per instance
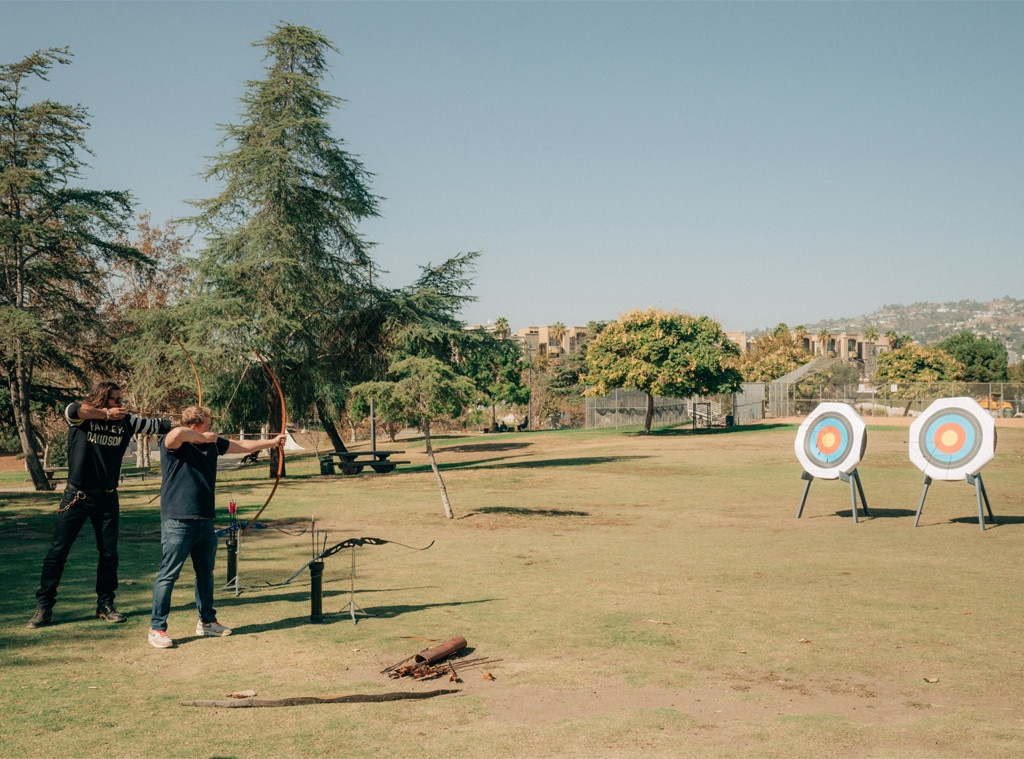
[136, 471]
[353, 462]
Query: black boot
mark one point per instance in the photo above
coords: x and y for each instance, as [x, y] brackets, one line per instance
[106, 611]
[41, 618]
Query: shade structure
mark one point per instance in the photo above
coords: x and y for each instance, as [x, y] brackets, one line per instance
[831, 441]
[952, 438]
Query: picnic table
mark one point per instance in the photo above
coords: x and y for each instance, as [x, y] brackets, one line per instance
[54, 474]
[353, 462]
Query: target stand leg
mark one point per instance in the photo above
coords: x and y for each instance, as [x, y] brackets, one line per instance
[860, 489]
[854, 479]
[807, 487]
[979, 489]
[924, 493]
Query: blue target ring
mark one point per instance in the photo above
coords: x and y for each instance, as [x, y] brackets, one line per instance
[828, 442]
[950, 439]
[953, 438]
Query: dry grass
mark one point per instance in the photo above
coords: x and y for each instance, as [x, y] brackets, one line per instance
[646, 596]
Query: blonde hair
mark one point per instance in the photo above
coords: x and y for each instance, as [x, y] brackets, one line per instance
[194, 415]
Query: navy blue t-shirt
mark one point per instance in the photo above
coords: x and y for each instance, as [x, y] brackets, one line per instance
[189, 479]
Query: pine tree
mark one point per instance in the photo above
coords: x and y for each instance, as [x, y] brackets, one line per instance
[57, 244]
[284, 266]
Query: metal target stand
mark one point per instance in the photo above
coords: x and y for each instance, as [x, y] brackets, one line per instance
[979, 489]
[954, 438]
[830, 443]
[855, 487]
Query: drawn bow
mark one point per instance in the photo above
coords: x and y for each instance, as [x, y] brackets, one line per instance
[195, 371]
[280, 452]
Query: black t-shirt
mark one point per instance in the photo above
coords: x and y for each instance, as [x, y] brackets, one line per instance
[189, 479]
[96, 446]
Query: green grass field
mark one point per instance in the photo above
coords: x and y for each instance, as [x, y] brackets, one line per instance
[645, 596]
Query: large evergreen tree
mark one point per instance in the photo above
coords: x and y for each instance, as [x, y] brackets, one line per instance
[285, 268]
[57, 244]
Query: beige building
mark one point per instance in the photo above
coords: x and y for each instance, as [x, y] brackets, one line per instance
[538, 340]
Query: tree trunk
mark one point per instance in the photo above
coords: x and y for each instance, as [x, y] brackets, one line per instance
[649, 417]
[494, 417]
[19, 385]
[437, 473]
[330, 427]
[275, 452]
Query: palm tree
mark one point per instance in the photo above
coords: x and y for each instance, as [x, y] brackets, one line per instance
[555, 334]
[893, 338]
[501, 328]
[870, 337]
[824, 335]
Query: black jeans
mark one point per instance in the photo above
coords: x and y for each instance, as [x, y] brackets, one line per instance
[103, 510]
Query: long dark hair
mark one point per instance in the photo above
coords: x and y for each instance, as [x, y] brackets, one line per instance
[101, 394]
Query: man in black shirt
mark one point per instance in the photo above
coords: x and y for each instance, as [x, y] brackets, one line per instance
[188, 461]
[98, 435]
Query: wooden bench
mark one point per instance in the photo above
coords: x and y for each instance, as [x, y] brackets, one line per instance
[353, 462]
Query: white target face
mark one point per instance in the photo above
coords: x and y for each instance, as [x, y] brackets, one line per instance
[831, 441]
[953, 438]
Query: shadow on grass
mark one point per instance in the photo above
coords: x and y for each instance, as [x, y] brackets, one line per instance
[345, 615]
[483, 447]
[679, 431]
[522, 512]
[519, 464]
[878, 513]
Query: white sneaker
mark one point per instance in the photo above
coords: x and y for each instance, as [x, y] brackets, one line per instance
[160, 639]
[213, 628]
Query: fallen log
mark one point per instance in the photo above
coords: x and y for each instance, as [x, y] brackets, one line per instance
[356, 698]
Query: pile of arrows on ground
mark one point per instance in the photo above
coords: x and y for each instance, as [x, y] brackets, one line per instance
[436, 662]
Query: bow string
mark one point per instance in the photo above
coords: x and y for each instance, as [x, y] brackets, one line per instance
[195, 371]
[280, 452]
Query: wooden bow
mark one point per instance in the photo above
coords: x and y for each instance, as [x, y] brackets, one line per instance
[195, 371]
[280, 452]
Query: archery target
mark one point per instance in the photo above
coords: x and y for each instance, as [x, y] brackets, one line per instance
[831, 441]
[953, 438]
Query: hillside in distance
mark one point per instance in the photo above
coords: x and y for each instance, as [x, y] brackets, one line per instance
[929, 323]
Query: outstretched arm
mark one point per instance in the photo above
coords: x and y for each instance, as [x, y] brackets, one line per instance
[248, 446]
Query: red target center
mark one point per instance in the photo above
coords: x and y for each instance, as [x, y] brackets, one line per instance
[828, 440]
[949, 438]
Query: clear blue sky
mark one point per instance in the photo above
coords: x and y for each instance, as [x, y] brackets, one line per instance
[753, 162]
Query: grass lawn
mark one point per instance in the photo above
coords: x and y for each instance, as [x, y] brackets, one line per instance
[646, 596]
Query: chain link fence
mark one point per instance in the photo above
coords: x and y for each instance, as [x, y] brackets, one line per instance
[1002, 399]
[627, 408]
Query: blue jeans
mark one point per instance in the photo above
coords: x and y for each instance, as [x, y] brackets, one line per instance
[180, 539]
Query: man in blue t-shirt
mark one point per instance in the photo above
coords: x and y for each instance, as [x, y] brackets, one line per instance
[99, 431]
[188, 461]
